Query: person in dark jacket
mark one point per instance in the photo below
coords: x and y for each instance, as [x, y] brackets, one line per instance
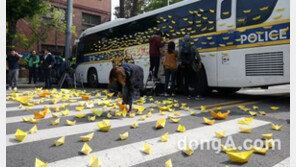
[126, 80]
[40, 68]
[155, 44]
[190, 65]
[13, 67]
[33, 62]
[48, 63]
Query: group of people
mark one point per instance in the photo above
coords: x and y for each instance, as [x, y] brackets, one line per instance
[40, 67]
[128, 78]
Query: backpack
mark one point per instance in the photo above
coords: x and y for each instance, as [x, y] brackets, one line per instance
[186, 54]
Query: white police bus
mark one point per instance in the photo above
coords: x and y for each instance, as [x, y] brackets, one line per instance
[243, 43]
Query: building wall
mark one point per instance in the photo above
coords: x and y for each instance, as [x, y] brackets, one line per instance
[100, 8]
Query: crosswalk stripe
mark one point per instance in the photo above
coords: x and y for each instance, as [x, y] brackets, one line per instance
[284, 163]
[82, 128]
[131, 154]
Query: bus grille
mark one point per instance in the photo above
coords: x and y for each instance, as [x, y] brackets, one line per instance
[265, 64]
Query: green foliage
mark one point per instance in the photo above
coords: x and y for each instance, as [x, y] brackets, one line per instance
[23, 63]
[155, 4]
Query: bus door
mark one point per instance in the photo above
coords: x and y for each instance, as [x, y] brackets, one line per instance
[226, 24]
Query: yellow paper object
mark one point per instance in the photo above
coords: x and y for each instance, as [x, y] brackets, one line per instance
[65, 112]
[245, 130]
[175, 120]
[87, 137]
[142, 118]
[169, 163]
[71, 123]
[219, 115]
[80, 115]
[274, 108]
[40, 115]
[55, 115]
[97, 112]
[208, 121]
[203, 108]
[188, 151]
[165, 137]
[267, 136]
[20, 135]
[220, 134]
[104, 126]
[269, 143]
[39, 163]
[80, 108]
[26, 119]
[147, 148]
[181, 128]
[276, 127]
[160, 123]
[255, 107]
[109, 115]
[91, 118]
[86, 149]
[253, 113]
[34, 129]
[164, 108]
[60, 141]
[95, 162]
[259, 150]
[123, 136]
[55, 122]
[227, 148]
[132, 115]
[239, 157]
[262, 112]
[135, 125]
[85, 97]
[149, 114]
[193, 113]
[34, 121]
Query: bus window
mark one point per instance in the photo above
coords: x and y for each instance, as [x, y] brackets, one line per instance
[250, 12]
[225, 9]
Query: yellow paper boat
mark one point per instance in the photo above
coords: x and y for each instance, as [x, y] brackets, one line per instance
[253, 113]
[276, 127]
[34, 129]
[87, 137]
[175, 120]
[118, 113]
[164, 108]
[188, 151]
[20, 135]
[193, 113]
[255, 107]
[228, 149]
[135, 125]
[169, 163]
[274, 108]
[142, 118]
[245, 130]
[91, 118]
[110, 94]
[123, 136]
[95, 162]
[149, 114]
[71, 123]
[140, 109]
[85, 97]
[219, 115]
[220, 134]
[165, 137]
[203, 108]
[239, 157]
[97, 112]
[208, 121]
[245, 121]
[162, 112]
[39, 163]
[259, 150]
[147, 148]
[267, 136]
[60, 141]
[80, 115]
[80, 108]
[40, 115]
[181, 128]
[65, 112]
[104, 127]
[124, 112]
[262, 112]
[86, 149]
[109, 115]
[269, 143]
[55, 115]
[55, 122]
[26, 119]
[34, 121]
[160, 123]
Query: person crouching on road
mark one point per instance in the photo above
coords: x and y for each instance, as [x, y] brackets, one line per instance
[127, 79]
[170, 65]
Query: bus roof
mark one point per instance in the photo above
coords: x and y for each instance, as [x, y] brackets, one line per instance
[121, 21]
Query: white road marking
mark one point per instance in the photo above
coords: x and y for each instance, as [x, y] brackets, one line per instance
[131, 154]
[284, 163]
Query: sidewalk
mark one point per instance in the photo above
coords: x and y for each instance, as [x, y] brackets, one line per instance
[23, 83]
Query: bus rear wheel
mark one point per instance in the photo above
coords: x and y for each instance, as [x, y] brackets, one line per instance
[228, 90]
[92, 78]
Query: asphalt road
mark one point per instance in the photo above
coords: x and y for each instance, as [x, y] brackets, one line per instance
[114, 152]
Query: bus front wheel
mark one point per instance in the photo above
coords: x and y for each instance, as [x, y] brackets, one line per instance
[92, 78]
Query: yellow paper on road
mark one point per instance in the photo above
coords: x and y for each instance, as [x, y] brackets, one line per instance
[34, 129]
[245, 130]
[95, 162]
[276, 127]
[123, 136]
[55, 122]
[169, 163]
[188, 151]
[39, 163]
[60, 141]
[86, 149]
[239, 157]
[147, 148]
[259, 150]
[87, 137]
[220, 134]
[70, 123]
[20, 135]
[160, 123]
[208, 121]
[181, 128]
[165, 137]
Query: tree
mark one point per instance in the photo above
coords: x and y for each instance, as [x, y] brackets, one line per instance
[155, 4]
[17, 9]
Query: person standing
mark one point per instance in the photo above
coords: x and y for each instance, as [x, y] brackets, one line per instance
[13, 67]
[155, 44]
[40, 69]
[48, 63]
[33, 63]
[170, 66]
[190, 64]
[59, 61]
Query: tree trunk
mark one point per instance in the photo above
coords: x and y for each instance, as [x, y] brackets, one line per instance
[11, 32]
[134, 8]
[121, 8]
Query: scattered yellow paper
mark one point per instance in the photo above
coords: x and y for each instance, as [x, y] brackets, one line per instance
[220, 134]
[55, 115]
[26, 119]
[164, 137]
[160, 123]
[104, 126]
[219, 115]
[34, 121]
[34, 129]
[169, 163]
[188, 151]
[245, 130]
[55, 122]
[65, 112]
[79, 108]
[262, 112]
[253, 113]
[193, 113]
[135, 125]
[228, 149]
[60, 141]
[239, 157]
[91, 118]
[39, 163]
[175, 120]
[181, 128]
[267, 136]
[142, 118]
[274, 108]
[95, 162]
[132, 115]
[87, 137]
[80, 115]
[203, 108]
[208, 121]
[259, 150]
[255, 107]
[86, 149]
[20, 135]
[147, 148]
[123, 136]
[70, 123]
[276, 127]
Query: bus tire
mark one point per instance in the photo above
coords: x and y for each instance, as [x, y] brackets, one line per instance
[227, 90]
[92, 78]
